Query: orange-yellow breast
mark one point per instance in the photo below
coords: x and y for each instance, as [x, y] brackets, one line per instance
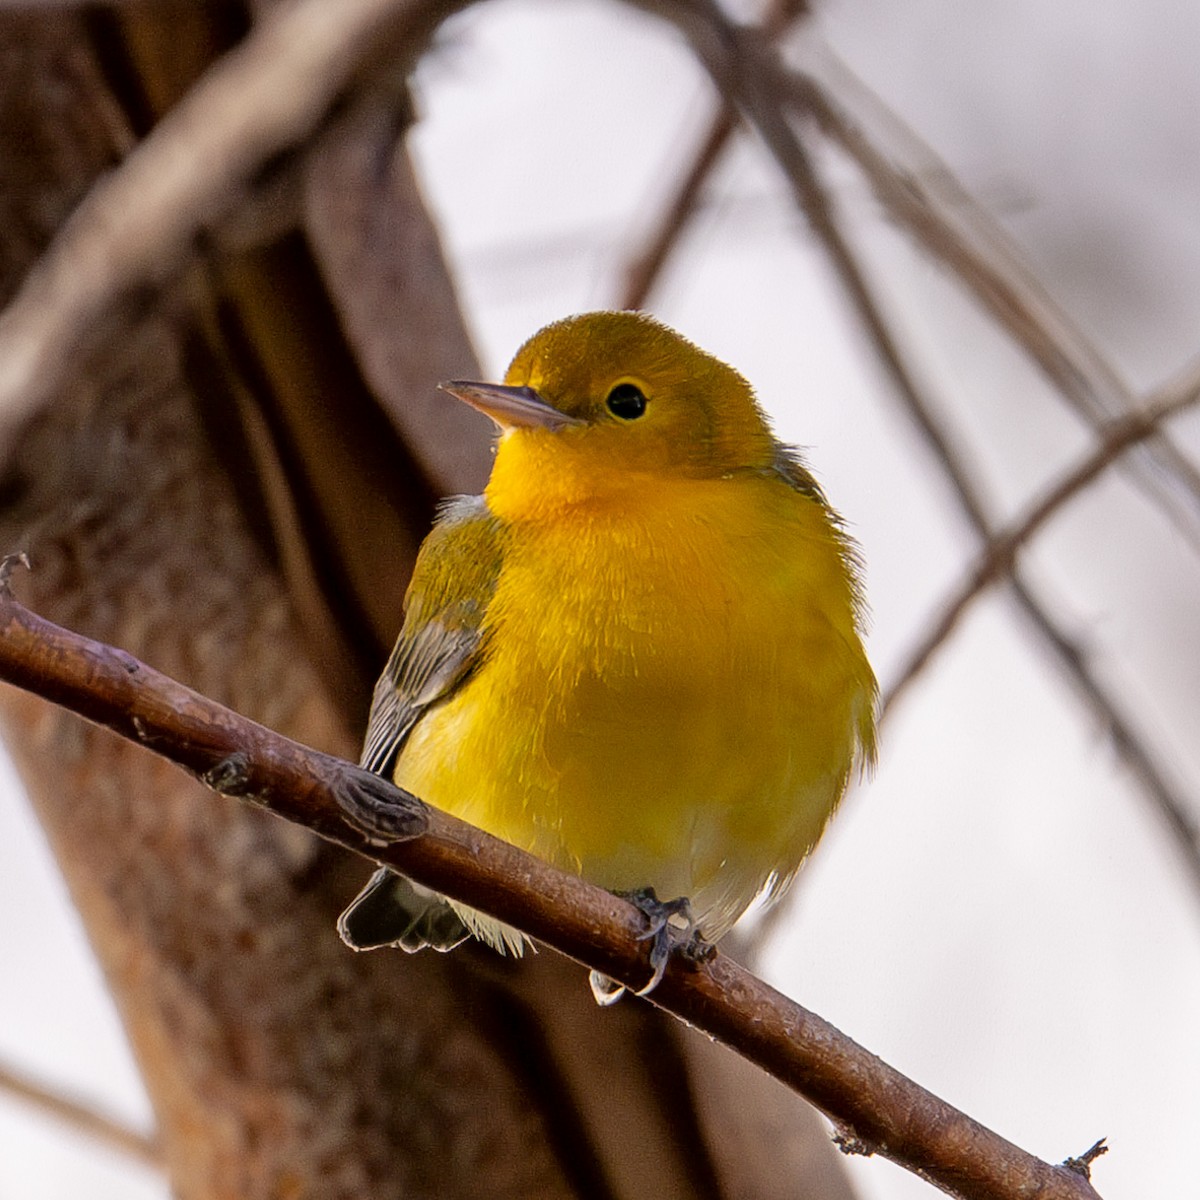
[672, 691]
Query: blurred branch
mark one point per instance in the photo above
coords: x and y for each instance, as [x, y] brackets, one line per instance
[1127, 740]
[995, 565]
[921, 193]
[642, 270]
[879, 1110]
[750, 76]
[81, 1118]
[1129, 743]
[997, 560]
[136, 224]
[923, 196]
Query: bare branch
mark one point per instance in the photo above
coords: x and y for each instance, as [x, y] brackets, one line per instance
[996, 564]
[749, 76]
[643, 269]
[999, 556]
[880, 1110]
[921, 193]
[641, 272]
[81, 1118]
[136, 224]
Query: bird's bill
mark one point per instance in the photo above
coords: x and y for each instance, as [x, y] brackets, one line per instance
[509, 407]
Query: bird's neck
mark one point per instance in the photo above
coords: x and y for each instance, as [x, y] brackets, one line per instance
[540, 479]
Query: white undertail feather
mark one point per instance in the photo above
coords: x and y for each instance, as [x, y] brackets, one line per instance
[502, 938]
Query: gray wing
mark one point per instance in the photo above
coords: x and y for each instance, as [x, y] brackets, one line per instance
[422, 669]
[443, 638]
[442, 642]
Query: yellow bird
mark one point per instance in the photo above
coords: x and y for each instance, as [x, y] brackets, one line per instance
[638, 654]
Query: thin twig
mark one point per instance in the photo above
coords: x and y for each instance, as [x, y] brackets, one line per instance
[82, 1118]
[880, 1110]
[643, 269]
[136, 224]
[749, 74]
[1117, 437]
[995, 566]
[921, 193]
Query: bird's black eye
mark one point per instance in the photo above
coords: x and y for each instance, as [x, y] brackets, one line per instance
[626, 401]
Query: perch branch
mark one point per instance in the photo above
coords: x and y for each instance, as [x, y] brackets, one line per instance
[880, 1110]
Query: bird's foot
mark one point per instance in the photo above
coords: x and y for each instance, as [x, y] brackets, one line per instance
[670, 927]
[671, 930]
[605, 991]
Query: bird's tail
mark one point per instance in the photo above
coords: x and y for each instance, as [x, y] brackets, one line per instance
[394, 911]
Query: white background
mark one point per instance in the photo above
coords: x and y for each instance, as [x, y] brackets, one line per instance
[997, 913]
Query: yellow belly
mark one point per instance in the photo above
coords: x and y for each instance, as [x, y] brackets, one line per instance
[680, 710]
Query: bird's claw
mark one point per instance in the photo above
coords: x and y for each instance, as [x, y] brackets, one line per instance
[671, 930]
[663, 936]
[605, 991]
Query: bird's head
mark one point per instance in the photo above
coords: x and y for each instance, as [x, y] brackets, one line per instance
[598, 402]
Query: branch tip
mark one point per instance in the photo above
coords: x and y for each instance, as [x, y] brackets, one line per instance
[8, 565]
[1082, 1165]
[851, 1144]
[231, 776]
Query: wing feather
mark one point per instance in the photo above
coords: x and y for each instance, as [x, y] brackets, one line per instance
[443, 635]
